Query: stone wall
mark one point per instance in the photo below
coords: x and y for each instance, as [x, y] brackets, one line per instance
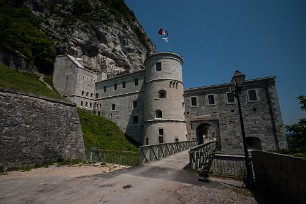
[35, 128]
[262, 117]
[228, 165]
[122, 101]
[73, 81]
[281, 177]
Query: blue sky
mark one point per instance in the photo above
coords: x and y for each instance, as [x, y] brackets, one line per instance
[216, 37]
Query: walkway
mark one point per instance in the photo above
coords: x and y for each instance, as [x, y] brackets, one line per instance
[163, 181]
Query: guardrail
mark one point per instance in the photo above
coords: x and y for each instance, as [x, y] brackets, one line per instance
[200, 157]
[127, 158]
[149, 153]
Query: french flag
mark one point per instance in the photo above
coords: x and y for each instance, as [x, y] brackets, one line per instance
[163, 32]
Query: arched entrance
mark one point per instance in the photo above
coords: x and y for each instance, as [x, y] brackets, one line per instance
[206, 132]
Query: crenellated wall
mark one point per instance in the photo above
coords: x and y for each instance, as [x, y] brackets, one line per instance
[34, 129]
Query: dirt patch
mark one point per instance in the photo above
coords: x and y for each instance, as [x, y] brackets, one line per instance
[67, 171]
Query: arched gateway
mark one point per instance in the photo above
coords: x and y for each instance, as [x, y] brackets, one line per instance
[206, 130]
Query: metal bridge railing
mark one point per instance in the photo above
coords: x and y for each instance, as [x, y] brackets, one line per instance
[127, 158]
[149, 153]
[201, 156]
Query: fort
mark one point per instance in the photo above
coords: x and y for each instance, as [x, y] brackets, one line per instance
[152, 107]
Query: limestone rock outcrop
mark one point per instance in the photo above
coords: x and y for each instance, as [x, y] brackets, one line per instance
[105, 34]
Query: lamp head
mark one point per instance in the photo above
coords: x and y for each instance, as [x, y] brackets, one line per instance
[238, 79]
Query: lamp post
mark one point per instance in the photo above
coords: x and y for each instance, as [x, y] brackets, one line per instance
[235, 87]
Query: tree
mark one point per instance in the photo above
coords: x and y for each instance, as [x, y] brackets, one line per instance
[298, 139]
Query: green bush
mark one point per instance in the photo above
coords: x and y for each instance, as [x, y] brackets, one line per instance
[19, 32]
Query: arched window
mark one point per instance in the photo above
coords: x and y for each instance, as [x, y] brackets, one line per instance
[158, 114]
[162, 94]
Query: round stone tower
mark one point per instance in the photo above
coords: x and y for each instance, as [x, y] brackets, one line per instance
[164, 107]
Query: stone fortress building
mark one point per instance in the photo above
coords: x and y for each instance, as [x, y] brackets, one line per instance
[152, 107]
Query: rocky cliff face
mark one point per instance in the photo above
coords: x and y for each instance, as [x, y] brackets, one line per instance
[104, 33]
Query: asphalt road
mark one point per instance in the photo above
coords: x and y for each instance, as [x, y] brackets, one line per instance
[163, 181]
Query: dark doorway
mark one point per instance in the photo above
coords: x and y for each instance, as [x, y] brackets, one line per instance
[205, 132]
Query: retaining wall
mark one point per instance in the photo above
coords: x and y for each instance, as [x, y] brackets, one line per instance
[35, 128]
[228, 165]
[281, 177]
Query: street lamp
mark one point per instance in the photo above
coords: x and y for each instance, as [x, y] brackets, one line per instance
[235, 87]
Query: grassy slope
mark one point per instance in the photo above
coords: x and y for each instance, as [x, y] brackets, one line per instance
[22, 81]
[102, 133]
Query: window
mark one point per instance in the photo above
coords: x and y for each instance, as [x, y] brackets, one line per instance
[158, 66]
[134, 104]
[162, 94]
[211, 99]
[160, 131]
[104, 88]
[90, 94]
[176, 139]
[161, 139]
[81, 103]
[252, 95]
[147, 141]
[135, 119]
[123, 84]
[115, 86]
[97, 95]
[90, 105]
[82, 93]
[86, 104]
[158, 114]
[99, 113]
[113, 107]
[86, 93]
[230, 97]
[136, 82]
[194, 101]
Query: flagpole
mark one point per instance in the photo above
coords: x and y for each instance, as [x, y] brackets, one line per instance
[169, 42]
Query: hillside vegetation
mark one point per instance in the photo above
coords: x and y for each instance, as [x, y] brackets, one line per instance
[19, 31]
[24, 81]
[102, 133]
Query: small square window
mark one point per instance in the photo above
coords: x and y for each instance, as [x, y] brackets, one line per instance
[252, 95]
[115, 86]
[104, 88]
[162, 94]
[211, 99]
[135, 104]
[123, 84]
[230, 97]
[135, 119]
[194, 101]
[161, 139]
[158, 114]
[113, 107]
[160, 131]
[136, 82]
[158, 66]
